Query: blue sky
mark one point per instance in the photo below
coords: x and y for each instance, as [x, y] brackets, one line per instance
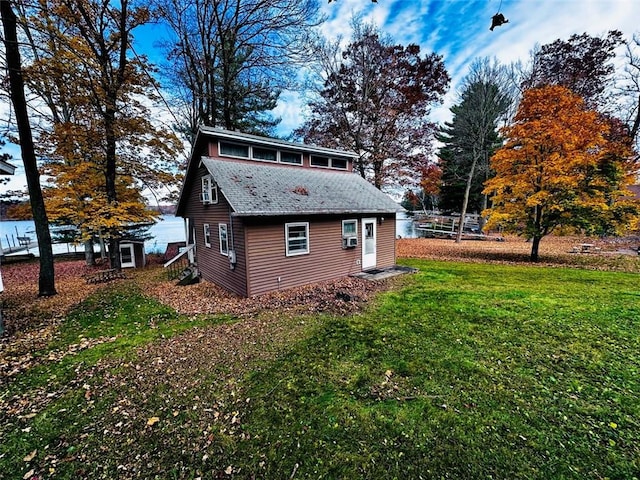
[456, 29]
[459, 31]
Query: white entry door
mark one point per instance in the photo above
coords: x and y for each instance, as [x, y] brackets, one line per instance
[127, 257]
[368, 243]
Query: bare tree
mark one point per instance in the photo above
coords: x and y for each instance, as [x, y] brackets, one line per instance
[629, 90]
[581, 63]
[375, 101]
[230, 59]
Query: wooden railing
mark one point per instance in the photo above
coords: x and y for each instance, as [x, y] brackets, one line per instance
[177, 264]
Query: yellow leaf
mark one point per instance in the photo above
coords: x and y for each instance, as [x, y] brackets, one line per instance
[31, 456]
[153, 420]
[613, 425]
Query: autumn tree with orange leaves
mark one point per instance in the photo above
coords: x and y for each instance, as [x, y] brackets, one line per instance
[562, 165]
[101, 142]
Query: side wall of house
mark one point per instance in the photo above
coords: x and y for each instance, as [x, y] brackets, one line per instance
[269, 268]
[213, 265]
[386, 247]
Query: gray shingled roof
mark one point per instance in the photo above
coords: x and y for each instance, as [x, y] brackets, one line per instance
[255, 189]
[6, 168]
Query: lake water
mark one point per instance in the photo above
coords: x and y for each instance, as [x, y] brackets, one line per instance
[168, 229]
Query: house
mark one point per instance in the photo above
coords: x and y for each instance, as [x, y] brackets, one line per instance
[6, 168]
[263, 214]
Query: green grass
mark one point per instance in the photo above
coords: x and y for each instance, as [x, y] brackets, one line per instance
[463, 371]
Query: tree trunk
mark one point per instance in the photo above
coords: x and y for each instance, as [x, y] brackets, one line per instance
[465, 202]
[636, 122]
[114, 253]
[535, 244]
[537, 236]
[46, 280]
[89, 257]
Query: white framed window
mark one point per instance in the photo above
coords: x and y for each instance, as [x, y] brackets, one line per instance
[296, 238]
[340, 163]
[207, 235]
[224, 239]
[291, 157]
[317, 161]
[233, 150]
[327, 162]
[265, 154]
[349, 228]
[209, 190]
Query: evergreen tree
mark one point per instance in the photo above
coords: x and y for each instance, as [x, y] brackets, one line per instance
[470, 139]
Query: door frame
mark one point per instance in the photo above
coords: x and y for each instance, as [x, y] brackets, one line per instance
[133, 255]
[369, 260]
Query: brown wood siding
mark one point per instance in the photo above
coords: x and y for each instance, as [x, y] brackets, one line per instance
[214, 266]
[386, 242]
[138, 252]
[327, 260]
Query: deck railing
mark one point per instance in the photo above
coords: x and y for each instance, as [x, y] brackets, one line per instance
[177, 264]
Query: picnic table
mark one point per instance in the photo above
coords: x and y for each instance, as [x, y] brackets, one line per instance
[585, 248]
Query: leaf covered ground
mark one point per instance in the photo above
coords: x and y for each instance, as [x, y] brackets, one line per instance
[137, 378]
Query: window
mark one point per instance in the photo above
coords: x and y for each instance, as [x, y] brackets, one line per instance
[209, 190]
[264, 154]
[207, 235]
[222, 235]
[234, 150]
[297, 238]
[290, 157]
[319, 161]
[339, 163]
[349, 228]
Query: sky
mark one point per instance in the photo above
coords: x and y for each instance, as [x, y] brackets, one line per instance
[458, 30]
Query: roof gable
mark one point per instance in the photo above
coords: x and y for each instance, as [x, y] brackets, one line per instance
[6, 168]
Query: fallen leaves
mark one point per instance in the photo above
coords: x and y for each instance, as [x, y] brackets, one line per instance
[554, 251]
[208, 298]
[30, 457]
[12, 364]
[152, 421]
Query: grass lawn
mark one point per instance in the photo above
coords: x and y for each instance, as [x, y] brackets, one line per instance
[463, 370]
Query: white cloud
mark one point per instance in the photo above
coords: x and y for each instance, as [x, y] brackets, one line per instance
[459, 29]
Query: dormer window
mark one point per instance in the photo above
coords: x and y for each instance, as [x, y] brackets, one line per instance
[209, 190]
[264, 154]
[234, 150]
[291, 157]
[340, 163]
